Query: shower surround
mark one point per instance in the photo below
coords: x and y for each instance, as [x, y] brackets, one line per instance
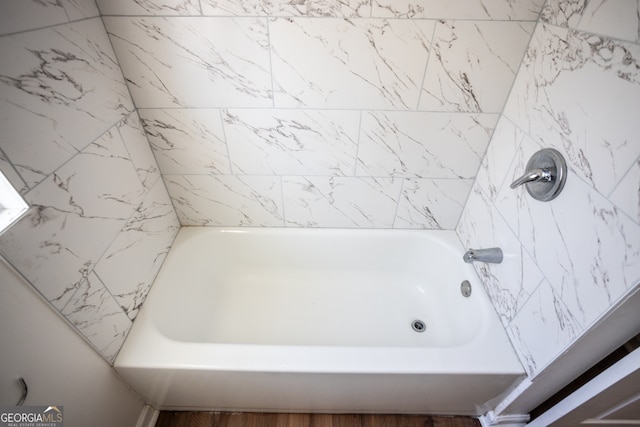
[319, 114]
[325, 114]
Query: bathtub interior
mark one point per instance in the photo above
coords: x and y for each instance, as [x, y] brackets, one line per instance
[316, 287]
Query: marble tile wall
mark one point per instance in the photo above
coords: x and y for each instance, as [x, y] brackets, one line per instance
[323, 113]
[101, 221]
[568, 261]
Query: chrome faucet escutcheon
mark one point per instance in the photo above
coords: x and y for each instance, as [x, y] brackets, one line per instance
[544, 176]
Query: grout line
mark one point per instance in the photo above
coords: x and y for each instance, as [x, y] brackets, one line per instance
[358, 140]
[623, 176]
[47, 27]
[270, 47]
[226, 143]
[395, 213]
[426, 66]
[284, 214]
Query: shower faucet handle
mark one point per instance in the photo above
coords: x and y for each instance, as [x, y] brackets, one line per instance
[534, 175]
[546, 173]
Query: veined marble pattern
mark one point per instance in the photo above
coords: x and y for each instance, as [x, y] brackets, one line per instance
[80, 9]
[576, 92]
[563, 12]
[338, 63]
[340, 201]
[542, 329]
[137, 144]
[473, 65]
[292, 142]
[594, 129]
[423, 145]
[50, 81]
[10, 173]
[613, 18]
[149, 7]
[590, 257]
[505, 142]
[626, 196]
[187, 141]
[519, 10]
[95, 313]
[22, 15]
[511, 283]
[132, 261]
[163, 57]
[329, 8]
[75, 214]
[226, 199]
[619, 19]
[432, 204]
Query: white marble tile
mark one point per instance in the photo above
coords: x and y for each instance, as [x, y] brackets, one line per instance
[131, 263]
[95, 313]
[563, 12]
[56, 79]
[520, 10]
[328, 8]
[338, 63]
[76, 213]
[292, 142]
[580, 94]
[23, 15]
[626, 195]
[434, 204]
[542, 329]
[496, 163]
[423, 145]
[613, 18]
[135, 140]
[226, 200]
[116, 194]
[348, 202]
[586, 247]
[80, 9]
[193, 62]
[510, 283]
[473, 65]
[149, 7]
[187, 141]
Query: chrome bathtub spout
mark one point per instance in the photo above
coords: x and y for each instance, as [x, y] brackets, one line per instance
[493, 255]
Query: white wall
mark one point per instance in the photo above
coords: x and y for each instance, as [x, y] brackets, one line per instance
[57, 364]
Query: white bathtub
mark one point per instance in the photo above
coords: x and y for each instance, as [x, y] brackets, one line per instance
[317, 320]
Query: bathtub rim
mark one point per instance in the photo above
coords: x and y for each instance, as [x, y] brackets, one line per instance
[312, 359]
[169, 353]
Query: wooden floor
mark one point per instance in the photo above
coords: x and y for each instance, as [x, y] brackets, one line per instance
[234, 419]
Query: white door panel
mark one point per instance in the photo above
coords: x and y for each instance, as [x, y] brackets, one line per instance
[610, 399]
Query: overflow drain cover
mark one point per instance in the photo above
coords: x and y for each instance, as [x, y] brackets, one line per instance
[418, 326]
[465, 288]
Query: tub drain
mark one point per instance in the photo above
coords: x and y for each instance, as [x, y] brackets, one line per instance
[418, 326]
